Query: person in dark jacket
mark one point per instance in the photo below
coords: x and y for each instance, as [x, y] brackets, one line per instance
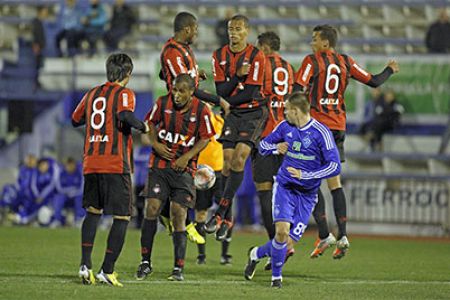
[120, 25]
[38, 42]
[438, 35]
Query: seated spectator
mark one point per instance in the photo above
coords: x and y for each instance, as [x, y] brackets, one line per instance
[386, 119]
[69, 19]
[43, 184]
[120, 25]
[14, 194]
[369, 110]
[94, 21]
[438, 35]
[69, 194]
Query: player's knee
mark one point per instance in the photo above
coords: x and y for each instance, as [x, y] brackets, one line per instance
[334, 183]
[282, 235]
[178, 216]
[94, 210]
[200, 216]
[151, 209]
[123, 218]
[238, 162]
[263, 186]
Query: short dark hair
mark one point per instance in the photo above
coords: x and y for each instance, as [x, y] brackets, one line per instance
[327, 32]
[271, 39]
[300, 100]
[240, 18]
[183, 20]
[118, 66]
[185, 78]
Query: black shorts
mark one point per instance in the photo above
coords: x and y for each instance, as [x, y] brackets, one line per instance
[170, 185]
[244, 127]
[339, 138]
[264, 168]
[110, 192]
[205, 198]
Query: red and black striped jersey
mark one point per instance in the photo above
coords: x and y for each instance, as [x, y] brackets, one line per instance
[108, 145]
[326, 75]
[278, 82]
[179, 131]
[177, 58]
[226, 63]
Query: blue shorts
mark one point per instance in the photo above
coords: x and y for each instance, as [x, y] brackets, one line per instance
[293, 206]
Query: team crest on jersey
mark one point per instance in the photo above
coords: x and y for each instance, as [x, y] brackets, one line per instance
[306, 142]
[296, 146]
[157, 189]
[227, 131]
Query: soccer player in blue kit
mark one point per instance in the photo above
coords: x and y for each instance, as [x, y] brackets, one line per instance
[310, 156]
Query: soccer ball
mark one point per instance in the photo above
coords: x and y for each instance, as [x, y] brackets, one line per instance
[44, 215]
[204, 178]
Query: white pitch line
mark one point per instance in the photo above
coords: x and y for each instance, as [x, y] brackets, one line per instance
[243, 282]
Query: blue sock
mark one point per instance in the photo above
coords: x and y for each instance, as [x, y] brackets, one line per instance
[264, 250]
[278, 255]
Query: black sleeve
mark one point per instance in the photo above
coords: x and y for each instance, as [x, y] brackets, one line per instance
[244, 96]
[225, 88]
[128, 117]
[205, 96]
[379, 79]
[78, 124]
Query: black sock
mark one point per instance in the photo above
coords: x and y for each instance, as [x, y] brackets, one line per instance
[116, 240]
[265, 200]
[320, 216]
[229, 213]
[223, 182]
[340, 210]
[233, 183]
[179, 243]
[88, 231]
[226, 243]
[148, 232]
[201, 231]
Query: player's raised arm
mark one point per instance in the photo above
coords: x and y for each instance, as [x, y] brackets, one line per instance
[363, 76]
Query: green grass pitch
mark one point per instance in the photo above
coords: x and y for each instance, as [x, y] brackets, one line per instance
[43, 264]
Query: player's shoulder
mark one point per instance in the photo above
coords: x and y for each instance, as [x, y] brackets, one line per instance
[220, 50]
[282, 125]
[320, 128]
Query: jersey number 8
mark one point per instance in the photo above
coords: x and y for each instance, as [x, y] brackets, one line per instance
[98, 111]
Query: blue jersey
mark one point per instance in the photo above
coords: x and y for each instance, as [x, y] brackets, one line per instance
[44, 184]
[311, 149]
[70, 184]
[24, 180]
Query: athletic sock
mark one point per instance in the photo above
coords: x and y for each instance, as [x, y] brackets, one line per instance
[88, 231]
[148, 232]
[265, 199]
[201, 247]
[264, 250]
[226, 242]
[232, 184]
[340, 211]
[116, 240]
[179, 243]
[278, 256]
[320, 216]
